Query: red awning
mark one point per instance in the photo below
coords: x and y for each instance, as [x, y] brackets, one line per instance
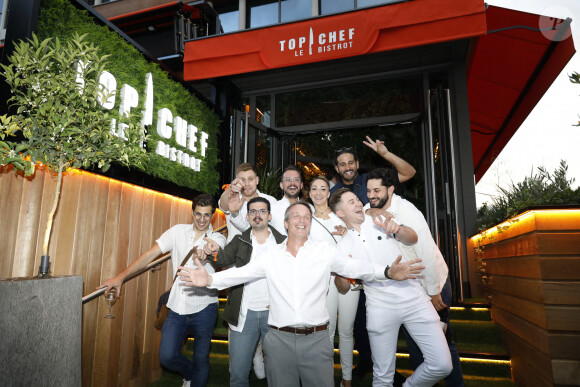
[390, 27]
[511, 69]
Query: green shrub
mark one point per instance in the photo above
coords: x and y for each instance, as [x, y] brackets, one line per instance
[542, 189]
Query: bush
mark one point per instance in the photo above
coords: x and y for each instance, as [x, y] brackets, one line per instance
[542, 189]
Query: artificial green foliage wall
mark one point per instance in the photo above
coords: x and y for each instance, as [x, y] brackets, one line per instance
[59, 18]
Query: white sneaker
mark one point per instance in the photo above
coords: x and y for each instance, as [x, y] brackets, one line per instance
[259, 369]
[186, 383]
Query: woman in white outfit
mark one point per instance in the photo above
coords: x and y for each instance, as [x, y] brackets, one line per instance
[323, 229]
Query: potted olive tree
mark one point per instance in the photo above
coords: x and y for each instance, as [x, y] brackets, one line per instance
[58, 120]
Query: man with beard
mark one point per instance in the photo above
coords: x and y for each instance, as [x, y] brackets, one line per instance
[380, 190]
[192, 310]
[346, 165]
[291, 185]
[246, 310]
[392, 304]
[297, 271]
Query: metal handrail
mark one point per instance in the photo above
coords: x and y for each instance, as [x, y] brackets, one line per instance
[153, 266]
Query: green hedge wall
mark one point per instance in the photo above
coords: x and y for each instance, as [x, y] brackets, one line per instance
[59, 18]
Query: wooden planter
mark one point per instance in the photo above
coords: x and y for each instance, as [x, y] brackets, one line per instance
[532, 278]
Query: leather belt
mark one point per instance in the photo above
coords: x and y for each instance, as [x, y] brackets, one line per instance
[301, 331]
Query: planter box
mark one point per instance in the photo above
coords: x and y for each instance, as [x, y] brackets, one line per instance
[532, 279]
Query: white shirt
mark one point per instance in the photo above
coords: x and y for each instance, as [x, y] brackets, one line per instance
[255, 296]
[372, 243]
[298, 285]
[179, 240]
[321, 229]
[435, 272]
[239, 224]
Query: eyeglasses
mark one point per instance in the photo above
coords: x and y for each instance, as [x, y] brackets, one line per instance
[254, 212]
[199, 215]
[291, 180]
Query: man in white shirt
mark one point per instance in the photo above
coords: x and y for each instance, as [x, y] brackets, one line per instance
[392, 304]
[246, 310]
[244, 187]
[291, 185]
[381, 186]
[190, 309]
[297, 350]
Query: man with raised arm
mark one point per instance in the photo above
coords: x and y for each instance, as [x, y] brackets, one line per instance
[383, 201]
[190, 309]
[388, 304]
[346, 165]
[246, 310]
[297, 350]
[291, 185]
[243, 188]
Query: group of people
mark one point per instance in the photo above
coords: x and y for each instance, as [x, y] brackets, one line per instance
[357, 253]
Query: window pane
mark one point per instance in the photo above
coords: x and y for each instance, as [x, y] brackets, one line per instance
[368, 3]
[332, 6]
[229, 21]
[348, 102]
[262, 13]
[263, 110]
[295, 9]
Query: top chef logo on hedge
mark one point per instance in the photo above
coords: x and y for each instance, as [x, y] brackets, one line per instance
[317, 43]
[186, 135]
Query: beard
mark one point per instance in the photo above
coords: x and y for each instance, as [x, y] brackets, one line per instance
[381, 202]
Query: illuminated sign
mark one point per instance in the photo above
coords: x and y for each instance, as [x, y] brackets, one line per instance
[324, 42]
[169, 126]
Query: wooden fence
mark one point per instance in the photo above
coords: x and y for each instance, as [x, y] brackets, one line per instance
[100, 227]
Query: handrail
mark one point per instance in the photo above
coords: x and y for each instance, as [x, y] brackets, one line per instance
[153, 266]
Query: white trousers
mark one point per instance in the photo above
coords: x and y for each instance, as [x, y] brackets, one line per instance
[345, 306]
[422, 322]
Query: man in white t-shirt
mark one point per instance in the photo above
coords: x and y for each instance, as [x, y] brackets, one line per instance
[390, 304]
[190, 309]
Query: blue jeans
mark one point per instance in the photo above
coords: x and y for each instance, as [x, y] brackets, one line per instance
[243, 344]
[174, 332]
[455, 378]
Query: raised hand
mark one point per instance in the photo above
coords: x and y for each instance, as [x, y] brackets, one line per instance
[236, 186]
[211, 247]
[194, 277]
[386, 221]
[235, 201]
[401, 271]
[377, 145]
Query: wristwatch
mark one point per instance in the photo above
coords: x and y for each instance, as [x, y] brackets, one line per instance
[387, 272]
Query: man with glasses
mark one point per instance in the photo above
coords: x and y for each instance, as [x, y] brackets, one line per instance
[246, 311]
[297, 271]
[190, 310]
[346, 165]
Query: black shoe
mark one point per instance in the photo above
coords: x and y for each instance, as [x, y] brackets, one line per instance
[362, 368]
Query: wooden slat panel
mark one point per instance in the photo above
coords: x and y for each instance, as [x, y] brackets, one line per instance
[561, 292]
[528, 289]
[10, 195]
[566, 372]
[563, 318]
[567, 268]
[101, 226]
[565, 345]
[526, 357]
[563, 243]
[532, 334]
[67, 216]
[526, 267]
[527, 310]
